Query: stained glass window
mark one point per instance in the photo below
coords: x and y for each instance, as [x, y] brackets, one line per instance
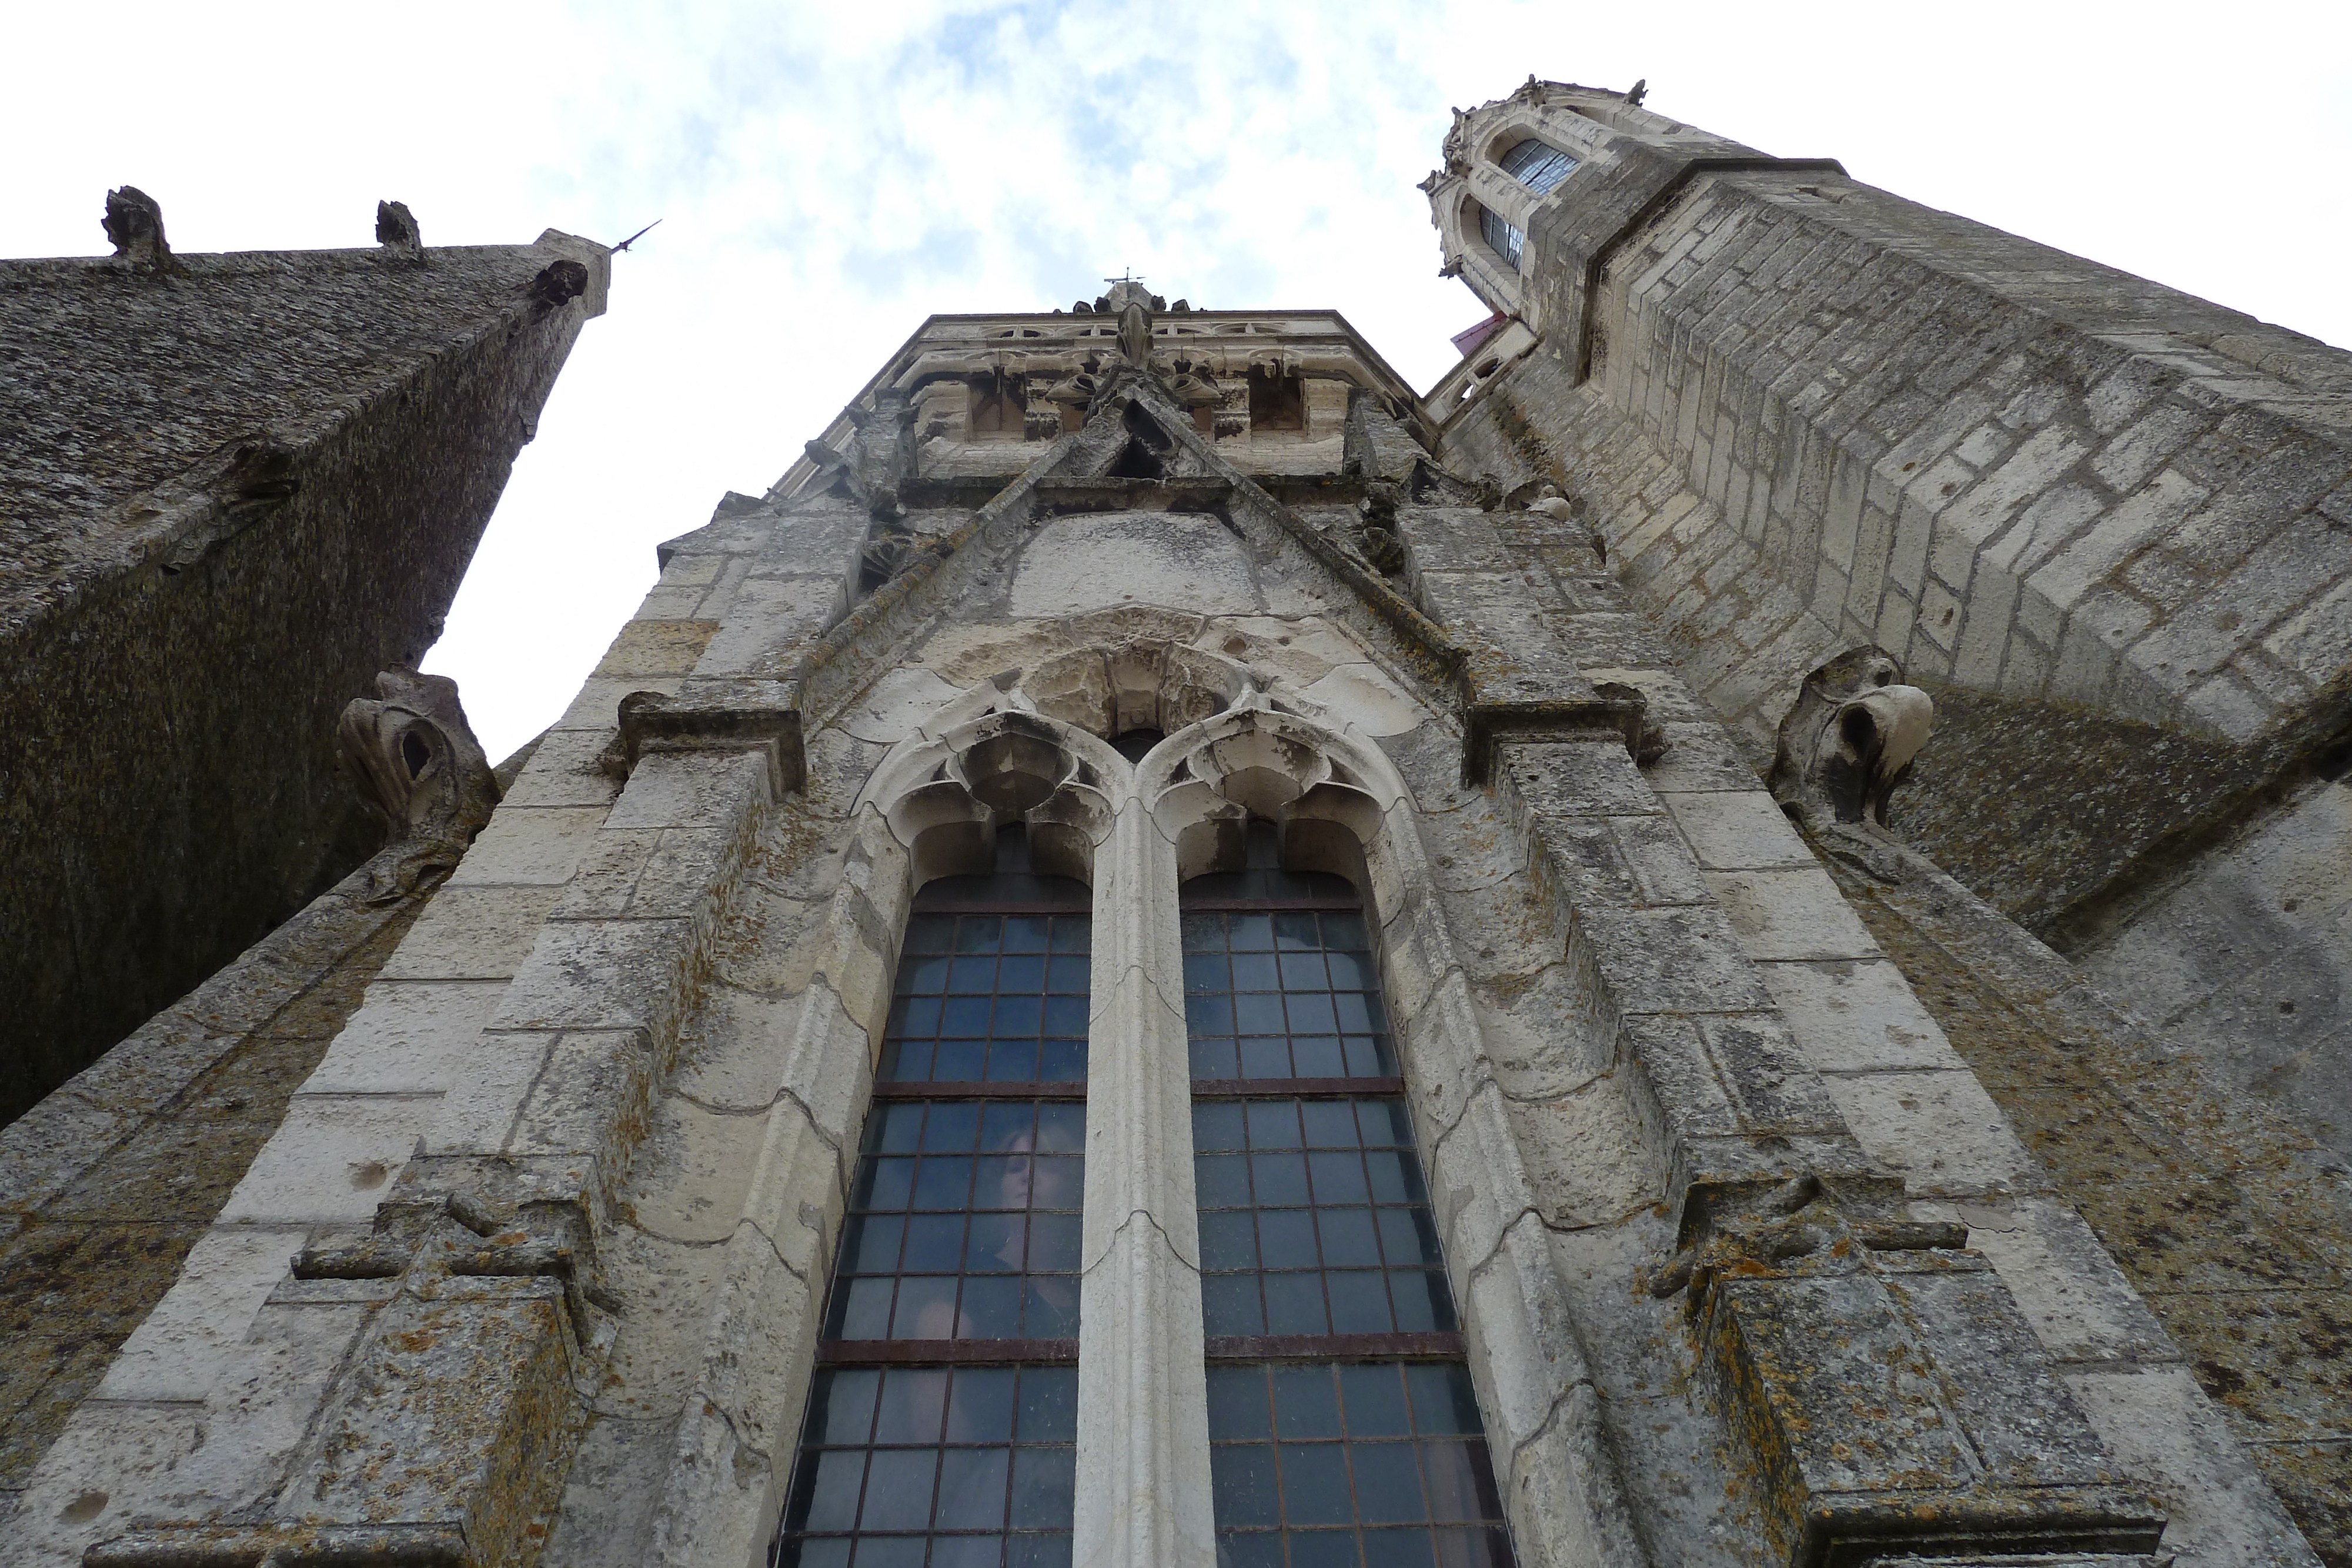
[1540, 168]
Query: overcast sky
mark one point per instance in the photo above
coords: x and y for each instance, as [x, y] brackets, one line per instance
[829, 173]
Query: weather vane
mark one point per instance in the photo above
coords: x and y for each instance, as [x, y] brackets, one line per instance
[1126, 275]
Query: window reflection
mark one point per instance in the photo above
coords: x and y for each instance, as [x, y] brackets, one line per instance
[1343, 1433]
[1505, 239]
[960, 1250]
[1538, 166]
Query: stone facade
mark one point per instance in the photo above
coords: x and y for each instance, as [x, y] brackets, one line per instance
[2104, 524]
[238, 487]
[1799, 1203]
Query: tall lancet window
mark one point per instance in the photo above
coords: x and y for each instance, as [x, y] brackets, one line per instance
[944, 1410]
[1343, 1433]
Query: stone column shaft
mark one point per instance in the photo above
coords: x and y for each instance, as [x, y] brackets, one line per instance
[1143, 1496]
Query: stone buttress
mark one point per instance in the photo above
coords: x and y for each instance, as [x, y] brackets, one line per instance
[1828, 443]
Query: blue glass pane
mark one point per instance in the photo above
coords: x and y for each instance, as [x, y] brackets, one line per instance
[1002, 983]
[888, 1490]
[1280, 982]
[1049, 1405]
[1505, 239]
[1539, 167]
[1352, 1449]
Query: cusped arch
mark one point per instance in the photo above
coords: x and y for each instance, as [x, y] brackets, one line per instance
[1138, 682]
[1338, 804]
[987, 760]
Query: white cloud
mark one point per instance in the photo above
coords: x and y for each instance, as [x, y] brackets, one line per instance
[828, 175]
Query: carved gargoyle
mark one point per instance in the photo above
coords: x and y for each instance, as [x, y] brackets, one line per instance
[889, 549]
[883, 461]
[557, 283]
[1376, 534]
[1192, 383]
[415, 761]
[1076, 390]
[134, 223]
[1846, 745]
[396, 230]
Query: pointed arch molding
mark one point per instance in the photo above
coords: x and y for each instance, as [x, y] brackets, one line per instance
[1026, 747]
[1490, 692]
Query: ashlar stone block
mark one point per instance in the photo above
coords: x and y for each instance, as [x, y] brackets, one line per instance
[183, 1345]
[1940, 1130]
[597, 974]
[471, 934]
[1741, 830]
[1797, 914]
[1900, 1404]
[408, 1038]
[1856, 1014]
[331, 1160]
[531, 846]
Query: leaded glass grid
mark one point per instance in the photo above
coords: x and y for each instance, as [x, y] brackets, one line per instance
[1314, 1220]
[1504, 238]
[1538, 166]
[963, 1223]
[935, 1466]
[1378, 1463]
[1284, 994]
[990, 997]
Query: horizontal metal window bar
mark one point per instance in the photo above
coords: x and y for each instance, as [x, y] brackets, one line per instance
[1259, 905]
[956, 1352]
[1429, 1346]
[946, 1089]
[1289, 1088]
[947, 903]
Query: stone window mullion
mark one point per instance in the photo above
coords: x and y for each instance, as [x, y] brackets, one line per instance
[1143, 1489]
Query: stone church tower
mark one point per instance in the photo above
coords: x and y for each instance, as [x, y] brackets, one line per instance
[1169, 956]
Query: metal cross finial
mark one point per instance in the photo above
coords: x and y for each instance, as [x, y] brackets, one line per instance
[1125, 275]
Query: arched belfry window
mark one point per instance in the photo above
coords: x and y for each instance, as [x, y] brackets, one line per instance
[1505, 238]
[943, 1414]
[1342, 1423]
[1538, 165]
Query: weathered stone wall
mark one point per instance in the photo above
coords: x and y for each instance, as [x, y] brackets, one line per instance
[561, 1197]
[2109, 526]
[237, 488]
[1818, 416]
[2227, 1218]
[108, 1184]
